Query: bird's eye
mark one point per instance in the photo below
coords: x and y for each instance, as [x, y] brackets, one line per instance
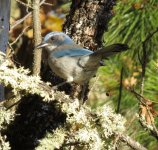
[52, 38]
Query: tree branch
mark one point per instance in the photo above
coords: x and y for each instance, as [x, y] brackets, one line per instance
[144, 58]
[129, 141]
[19, 36]
[37, 36]
[151, 127]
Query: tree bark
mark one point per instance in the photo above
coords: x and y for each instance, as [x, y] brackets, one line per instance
[88, 20]
[4, 29]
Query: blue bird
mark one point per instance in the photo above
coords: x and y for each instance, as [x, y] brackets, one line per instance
[72, 62]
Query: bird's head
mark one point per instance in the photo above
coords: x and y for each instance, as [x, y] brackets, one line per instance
[54, 39]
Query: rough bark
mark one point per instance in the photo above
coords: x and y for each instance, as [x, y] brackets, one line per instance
[4, 29]
[88, 20]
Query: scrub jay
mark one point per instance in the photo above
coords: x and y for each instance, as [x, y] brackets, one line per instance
[73, 62]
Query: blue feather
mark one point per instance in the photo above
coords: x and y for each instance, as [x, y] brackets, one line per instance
[71, 52]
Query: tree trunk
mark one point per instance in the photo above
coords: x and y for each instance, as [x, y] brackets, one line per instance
[4, 29]
[88, 20]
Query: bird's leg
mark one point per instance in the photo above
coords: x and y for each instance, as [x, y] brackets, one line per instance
[83, 93]
[60, 84]
[69, 80]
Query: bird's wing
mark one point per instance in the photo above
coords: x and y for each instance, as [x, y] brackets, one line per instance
[70, 50]
[93, 60]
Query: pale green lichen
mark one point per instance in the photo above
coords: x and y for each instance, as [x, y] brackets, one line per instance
[84, 128]
[144, 123]
[91, 137]
[52, 140]
[5, 118]
[4, 145]
[19, 79]
[83, 125]
[110, 122]
[75, 113]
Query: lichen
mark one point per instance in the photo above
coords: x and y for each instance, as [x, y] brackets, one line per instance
[89, 128]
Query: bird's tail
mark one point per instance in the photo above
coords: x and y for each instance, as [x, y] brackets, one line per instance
[110, 50]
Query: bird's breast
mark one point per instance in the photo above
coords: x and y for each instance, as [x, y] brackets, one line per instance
[66, 67]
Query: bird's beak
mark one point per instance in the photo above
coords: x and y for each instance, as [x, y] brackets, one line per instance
[41, 45]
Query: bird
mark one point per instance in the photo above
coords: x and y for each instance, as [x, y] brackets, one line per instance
[72, 62]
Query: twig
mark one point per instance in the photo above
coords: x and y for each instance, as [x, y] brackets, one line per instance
[20, 20]
[143, 61]
[16, 103]
[143, 122]
[42, 2]
[24, 18]
[139, 97]
[129, 141]
[152, 128]
[150, 36]
[20, 35]
[120, 91]
[48, 4]
[24, 4]
[11, 48]
[73, 144]
[154, 131]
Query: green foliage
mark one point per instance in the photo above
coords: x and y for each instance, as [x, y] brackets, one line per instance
[133, 22]
[151, 81]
